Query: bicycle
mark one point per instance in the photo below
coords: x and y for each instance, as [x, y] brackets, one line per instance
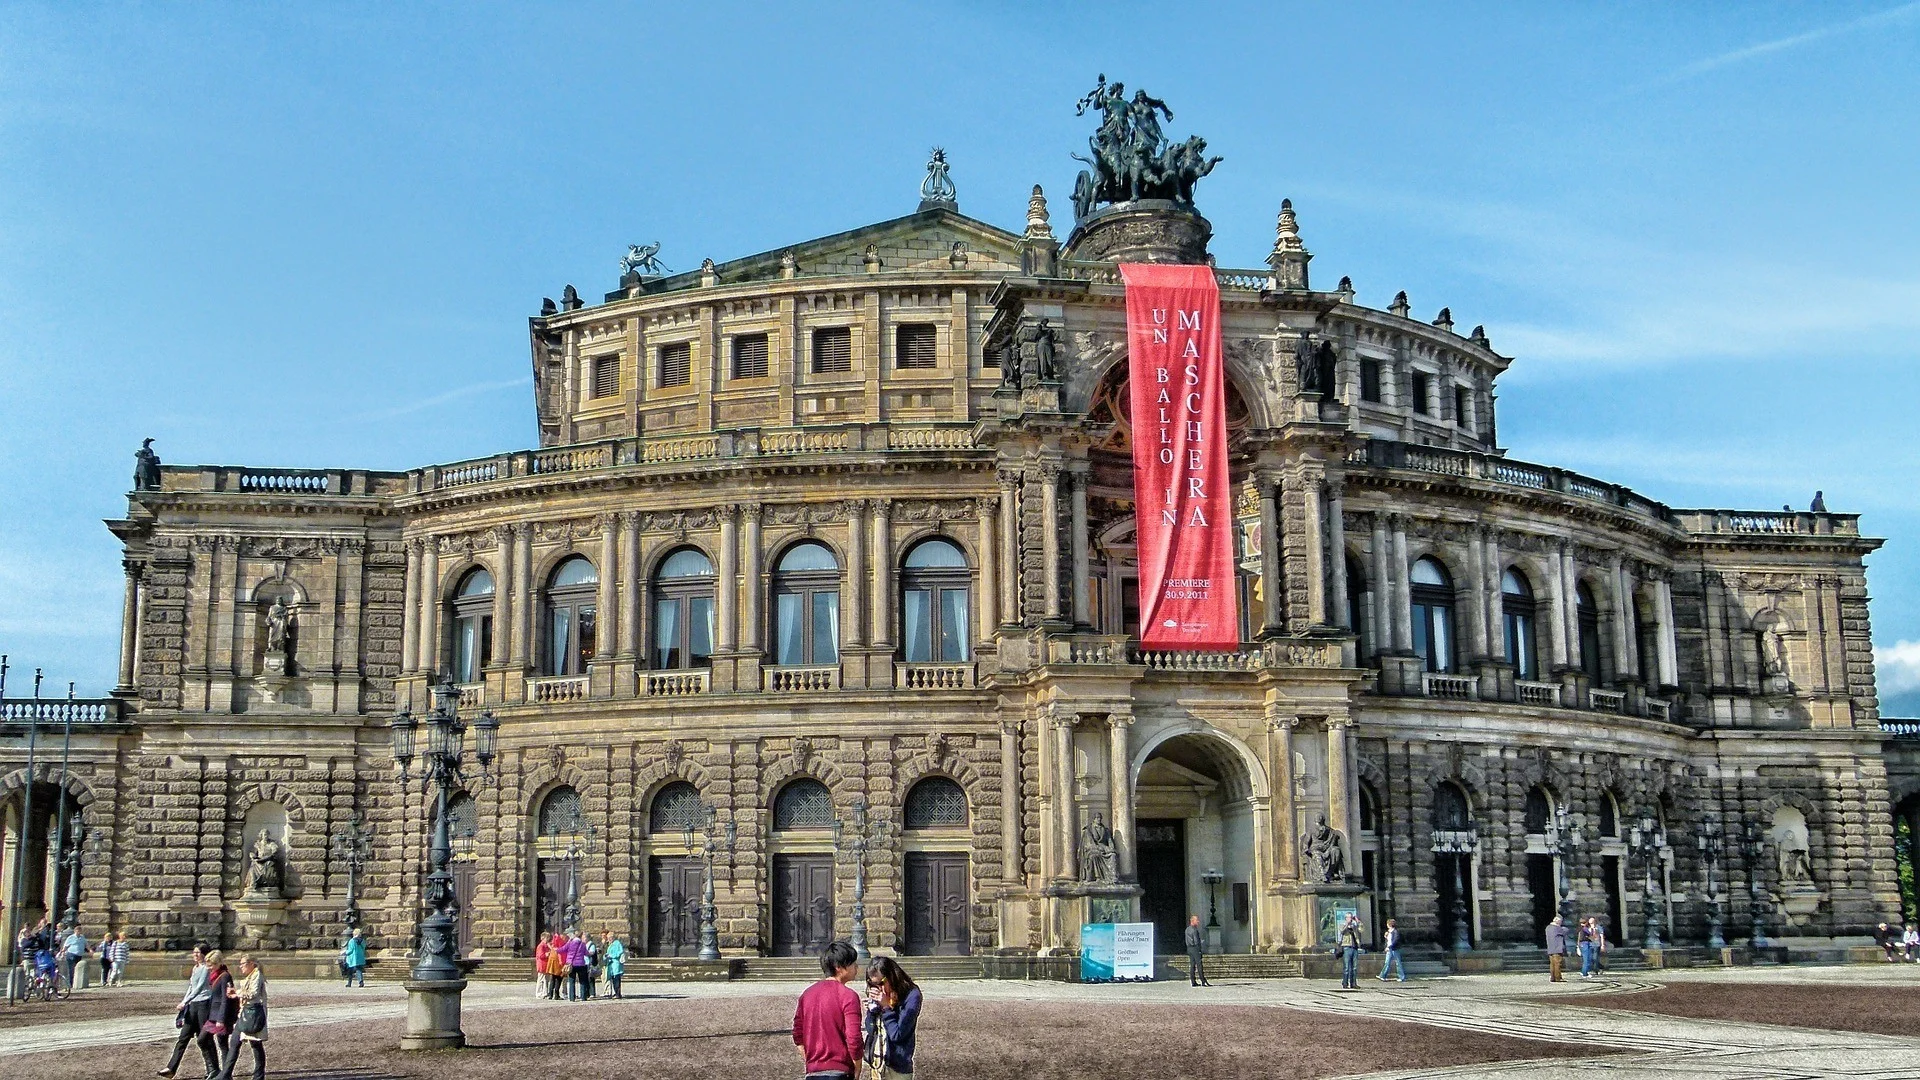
[45, 981]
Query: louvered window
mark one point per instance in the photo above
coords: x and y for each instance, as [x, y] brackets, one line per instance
[606, 376]
[676, 364]
[750, 356]
[833, 349]
[913, 346]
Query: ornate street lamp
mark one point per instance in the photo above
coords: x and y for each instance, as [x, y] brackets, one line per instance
[433, 1009]
[352, 844]
[79, 836]
[1461, 842]
[1213, 878]
[1647, 839]
[583, 843]
[1711, 845]
[716, 837]
[855, 841]
[1564, 838]
[1753, 844]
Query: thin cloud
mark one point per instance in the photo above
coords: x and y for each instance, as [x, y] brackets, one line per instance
[441, 399]
[1897, 667]
[1768, 48]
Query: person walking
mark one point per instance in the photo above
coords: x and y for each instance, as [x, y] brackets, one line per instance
[893, 1011]
[104, 953]
[192, 1011]
[122, 953]
[249, 994]
[614, 954]
[1556, 948]
[826, 1021]
[73, 956]
[223, 1008]
[1196, 941]
[353, 959]
[1350, 952]
[1390, 953]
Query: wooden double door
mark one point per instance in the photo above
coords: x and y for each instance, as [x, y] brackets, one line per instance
[802, 904]
[939, 910]
[556, 892]
[675, 889]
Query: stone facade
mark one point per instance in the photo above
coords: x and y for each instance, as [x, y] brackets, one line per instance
[1678, 666]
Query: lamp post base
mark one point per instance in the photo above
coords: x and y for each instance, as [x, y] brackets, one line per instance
[433, 1015]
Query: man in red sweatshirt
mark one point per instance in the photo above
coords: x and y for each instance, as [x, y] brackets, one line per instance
[826, 1025]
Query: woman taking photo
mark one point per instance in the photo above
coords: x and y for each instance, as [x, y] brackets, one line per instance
[893, 1010]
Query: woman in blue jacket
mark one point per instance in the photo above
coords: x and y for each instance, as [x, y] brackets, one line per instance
[893, 1010]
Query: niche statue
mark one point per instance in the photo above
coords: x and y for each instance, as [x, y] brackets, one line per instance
[1323, 855]
[1098, 862]
[265, 857]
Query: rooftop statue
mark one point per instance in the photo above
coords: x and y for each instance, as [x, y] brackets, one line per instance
[1131, 156]
[937, 191]
[642, 259]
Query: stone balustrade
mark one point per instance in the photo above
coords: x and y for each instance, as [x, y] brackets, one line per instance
[800, 680]
[1608, 701]
[473, 695]
[685, 683]
[1450, 687]
[60, 712]
[556, 689]
[1537, 693]
[933, 676]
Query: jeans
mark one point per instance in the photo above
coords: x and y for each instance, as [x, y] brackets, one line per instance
[357, 975]
[1391, 962]
[614, 981]
[577, 986]
[1587, 956]
[1349, 968]
[234, 1043]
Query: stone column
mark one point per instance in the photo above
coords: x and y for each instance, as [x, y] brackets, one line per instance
[1120, 788]
[1010, 802]
[525, 609]
[1476, 607]
[1285, 821]
[502, 595]
[1010, 548]
[140, 601]
[727, 595]
[989, 558]
[430, 608]
[1496, 613]
[1050, 539]
[1570, 602]
[1403, 592]
[881, 602]
[858, 573]
[1382, 587]
[1669, 660]
[129, 623]
[1626, 659]
[1339, 815]
[751, 623]
[1316, 554]
[410, 623]
[1079, 545]
[607, 634]
[631, 643]
[1337, 583]
[1068, 864]
[1558, 603]
[1272, 575]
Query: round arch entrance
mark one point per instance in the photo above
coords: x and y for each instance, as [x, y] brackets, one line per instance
[1194, 842]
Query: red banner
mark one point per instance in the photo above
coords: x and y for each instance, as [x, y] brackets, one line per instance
[1182, 506]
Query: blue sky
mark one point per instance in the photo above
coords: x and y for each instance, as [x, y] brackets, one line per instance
[311, 235]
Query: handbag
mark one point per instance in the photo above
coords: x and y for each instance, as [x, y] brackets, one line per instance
[253, 1017]
[214, 1028]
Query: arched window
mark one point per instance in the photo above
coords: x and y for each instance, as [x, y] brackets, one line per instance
[561, 813]
[934, 627]
[463, 822]
[472, 626]
[803, 804]
[806, 606]
[1516, 611]
[1609, 815]
[1450, 807]
[1369, 810]
[675, 809]
[1588, 614]
[1539, 811]
[1432, 596]
[570, 616]
[936, 803]
[683, 623]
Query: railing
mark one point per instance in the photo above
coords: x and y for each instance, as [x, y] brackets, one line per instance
[689, 683]
[696, 448]
[1086, 649]
[472, 694]
[1449, 687]
[1538, 693]
[1169, 660]
[933, 676]
[78, 710]
[1282, 652]
[1900, 729]
[1469, 465]
[929, 438]
[803, 441]
[556, 689]
[1659, 710]
[284, 483]
[477, 473]
[794, 680]
[1768, 523]
[1256, 280]
[572, 459]
[1611, 701]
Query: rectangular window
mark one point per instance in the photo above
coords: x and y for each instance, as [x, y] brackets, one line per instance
[953, 624]
[676, 364]
[1460, 405]
[606, 376]
[913, 346]
[1370, 380]
[750, 356]
[832, 349]
[915, 622]
[826, 628]
[700, 627]
[1420, 393]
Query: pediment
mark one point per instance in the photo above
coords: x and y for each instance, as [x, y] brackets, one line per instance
[922, 241]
